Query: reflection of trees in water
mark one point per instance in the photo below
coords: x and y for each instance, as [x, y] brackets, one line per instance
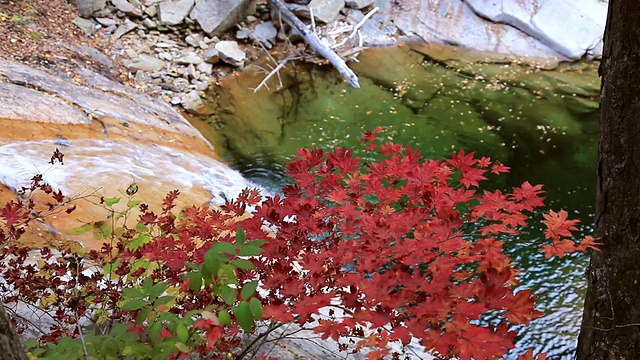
[299, 88]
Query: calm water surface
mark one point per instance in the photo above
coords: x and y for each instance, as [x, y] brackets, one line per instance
[541, 123]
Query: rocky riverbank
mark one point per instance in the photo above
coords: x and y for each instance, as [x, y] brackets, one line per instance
[178, 48]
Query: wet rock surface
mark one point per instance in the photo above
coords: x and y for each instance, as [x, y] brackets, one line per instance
[111, 135]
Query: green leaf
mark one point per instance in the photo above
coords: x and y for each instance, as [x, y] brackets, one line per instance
[110, 268]
[212, 261]
[227, 274]
[224, 317]
[256, 307]
[101, 230]
[133, 203]
[192, 265]
[195, 280]
[249, 250]
[228, 294]
[162, 300]
[207, 275]
[146, 285]
[240, 237]
[248, 289]
[222, 247]
[137, 242]
[243, 315]
[157, 290]
[182, 347]
[257, 243]
[111, 201]
[120, 329]
[141, 228]
[143, 314]
[132, 293]
[30, 343]
[154, 330]
[81, 229]
[243, 264]
[182, 332]
[133, 304]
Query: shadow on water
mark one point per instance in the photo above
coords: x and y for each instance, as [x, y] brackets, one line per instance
[542, 123]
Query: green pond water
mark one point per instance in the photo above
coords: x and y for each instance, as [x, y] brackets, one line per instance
[540, 122]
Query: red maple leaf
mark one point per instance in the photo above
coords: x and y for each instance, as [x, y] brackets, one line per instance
[588, 243]
[529, 356]
[498, 168]
[520, 308]
[330, 329]
[558, 225]
[529, 195]
[12, 213]
[559, 248]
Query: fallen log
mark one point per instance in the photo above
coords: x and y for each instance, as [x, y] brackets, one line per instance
[314, 41]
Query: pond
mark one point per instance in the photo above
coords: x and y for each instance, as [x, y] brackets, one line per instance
[538, 119]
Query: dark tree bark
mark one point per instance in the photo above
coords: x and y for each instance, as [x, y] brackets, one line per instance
[611, 320]
[10, 346]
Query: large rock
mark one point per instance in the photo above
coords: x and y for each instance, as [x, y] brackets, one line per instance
[231, 53]
[326, 10]
[88, 7]
[573, 29]
[145, 62]
[174, 12]
[217, 16]
[266, 33]
[524, 29]
[111, 135]
[127, 8]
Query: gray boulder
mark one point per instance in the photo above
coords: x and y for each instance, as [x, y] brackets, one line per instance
[231, 53]
[571, 29]
[124, 28]
[359, 4]
[127, 8]
[87, 26]
[551, 31]
[188, 57]
[266, 33]
[193, 104]
[212, 55]
[453, 22]
[326, 10]
[217, 16]
[88, 7]
[145, 63]
[174, 12]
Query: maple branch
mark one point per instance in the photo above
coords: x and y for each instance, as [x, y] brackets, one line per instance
[260, 336]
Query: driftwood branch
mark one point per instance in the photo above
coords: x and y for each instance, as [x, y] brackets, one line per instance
[312, 39]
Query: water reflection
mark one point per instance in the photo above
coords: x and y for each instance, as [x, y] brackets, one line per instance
[541, 123]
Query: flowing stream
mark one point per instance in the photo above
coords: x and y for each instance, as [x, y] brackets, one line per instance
[540, 122]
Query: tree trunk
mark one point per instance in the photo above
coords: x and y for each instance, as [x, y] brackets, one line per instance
[10, 346]
[611, 319]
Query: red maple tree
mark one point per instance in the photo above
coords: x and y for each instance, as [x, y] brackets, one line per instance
[400, 247]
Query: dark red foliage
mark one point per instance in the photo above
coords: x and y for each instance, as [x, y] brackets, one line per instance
[404, 246]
